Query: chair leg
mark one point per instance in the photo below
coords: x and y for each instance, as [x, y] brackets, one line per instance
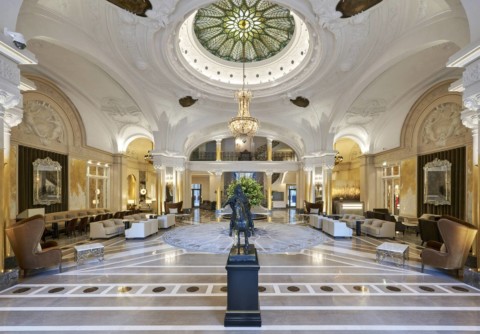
[423, 267]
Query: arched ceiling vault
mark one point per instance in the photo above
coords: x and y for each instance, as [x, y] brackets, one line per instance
[125, 73]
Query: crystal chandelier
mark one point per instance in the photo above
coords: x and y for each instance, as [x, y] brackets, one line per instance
[244, 125]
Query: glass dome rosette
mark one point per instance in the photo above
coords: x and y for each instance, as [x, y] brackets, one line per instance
[211, 40]
[244, 31]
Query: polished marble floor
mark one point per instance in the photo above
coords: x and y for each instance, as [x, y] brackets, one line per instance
[150, 286]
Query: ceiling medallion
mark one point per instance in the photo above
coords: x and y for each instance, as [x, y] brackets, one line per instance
[244, 30]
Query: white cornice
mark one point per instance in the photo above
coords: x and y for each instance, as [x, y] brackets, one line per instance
[21, 57]
[465, 56]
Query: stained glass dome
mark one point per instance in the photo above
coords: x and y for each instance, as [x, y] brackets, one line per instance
[244, 30]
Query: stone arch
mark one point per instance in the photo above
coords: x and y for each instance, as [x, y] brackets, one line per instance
[50, 119]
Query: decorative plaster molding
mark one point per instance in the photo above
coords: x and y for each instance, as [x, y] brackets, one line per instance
[472, 102]
[9, 71]
[325, 11]
[41, 120]
[471, 74]
[8, 100]
[470, 118]
[161, 12]
[365, 112]
[12, 117]
[442, 123]
[122, 113]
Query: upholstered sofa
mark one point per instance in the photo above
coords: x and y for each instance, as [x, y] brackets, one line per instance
[136, 217]
[166, 221]
[335, 228]
[142, 229]
[351, 219]
[315, 221]
[106, 229]
[379, 228]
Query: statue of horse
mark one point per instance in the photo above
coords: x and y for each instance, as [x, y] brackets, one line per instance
[241, 224]
[239, 195]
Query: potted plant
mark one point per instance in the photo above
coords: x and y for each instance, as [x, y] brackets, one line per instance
[251, 188]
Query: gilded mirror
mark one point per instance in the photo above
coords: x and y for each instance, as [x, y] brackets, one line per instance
[47, 182]
[437, 182]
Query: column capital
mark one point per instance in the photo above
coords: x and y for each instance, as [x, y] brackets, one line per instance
[12, 117]
[218, 140]
[269, 140]
[218, 173]
[268, 173]
[8, 100]
[470, 118]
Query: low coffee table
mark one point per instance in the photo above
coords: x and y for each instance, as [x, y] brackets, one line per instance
[397, 252]
[83, 252]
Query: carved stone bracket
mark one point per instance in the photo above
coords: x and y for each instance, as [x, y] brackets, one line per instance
[161, 12]
[12, 117]
[8, 100]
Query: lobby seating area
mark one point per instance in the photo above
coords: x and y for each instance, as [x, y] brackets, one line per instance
[379, 228]
[106, 229]
[142, 229]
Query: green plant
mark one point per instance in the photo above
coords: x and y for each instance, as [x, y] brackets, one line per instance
[251, 188]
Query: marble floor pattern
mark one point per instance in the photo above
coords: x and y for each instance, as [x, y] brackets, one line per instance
[150, 286]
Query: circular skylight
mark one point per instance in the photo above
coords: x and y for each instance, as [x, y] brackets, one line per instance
[244, 30]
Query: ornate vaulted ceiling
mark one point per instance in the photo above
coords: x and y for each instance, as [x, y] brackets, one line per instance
[127, 74]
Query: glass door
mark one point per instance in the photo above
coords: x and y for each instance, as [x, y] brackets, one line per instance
[292, 196]
[196, 195]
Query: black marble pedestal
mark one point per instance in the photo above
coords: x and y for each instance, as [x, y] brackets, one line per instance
[243, 309]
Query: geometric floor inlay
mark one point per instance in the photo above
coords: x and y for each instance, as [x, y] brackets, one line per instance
[269, 238]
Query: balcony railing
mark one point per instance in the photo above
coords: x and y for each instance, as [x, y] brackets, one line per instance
[245, 156]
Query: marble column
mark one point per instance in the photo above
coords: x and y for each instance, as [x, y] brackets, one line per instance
[269, 149]
[469, 86]
[161, 195]
[327, 188]
[218, 185]
[308, 172]
[269, 174]
[187, 189]
[219, 150]
[8, 119]
[368, 181]
[471, 119]
[179, 181]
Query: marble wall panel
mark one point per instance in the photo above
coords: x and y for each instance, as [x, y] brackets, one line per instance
[408, 187]
[78, 184]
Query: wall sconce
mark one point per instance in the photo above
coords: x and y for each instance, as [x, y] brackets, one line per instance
[94, 202]
[131, 204]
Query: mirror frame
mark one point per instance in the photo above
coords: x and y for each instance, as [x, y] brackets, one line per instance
[437, 185]
[43, 194]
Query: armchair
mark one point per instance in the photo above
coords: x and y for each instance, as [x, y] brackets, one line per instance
[175, 206]
[311, 207]
[24, 237]
[458, 237]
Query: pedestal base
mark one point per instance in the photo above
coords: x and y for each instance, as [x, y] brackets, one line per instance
[242, 289]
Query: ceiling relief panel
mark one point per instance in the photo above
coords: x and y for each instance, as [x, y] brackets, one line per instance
[123, 114]
[42, 121]
[365, 112]
[443, 123]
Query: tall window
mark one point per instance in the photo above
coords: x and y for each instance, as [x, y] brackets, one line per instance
[98, 185]
[391, 188]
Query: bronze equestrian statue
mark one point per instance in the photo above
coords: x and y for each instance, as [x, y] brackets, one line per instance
[232, 201]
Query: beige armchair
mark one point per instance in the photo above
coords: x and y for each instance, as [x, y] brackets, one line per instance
[177, 207]
[24, 237]
[458, 237]
[309, 207]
